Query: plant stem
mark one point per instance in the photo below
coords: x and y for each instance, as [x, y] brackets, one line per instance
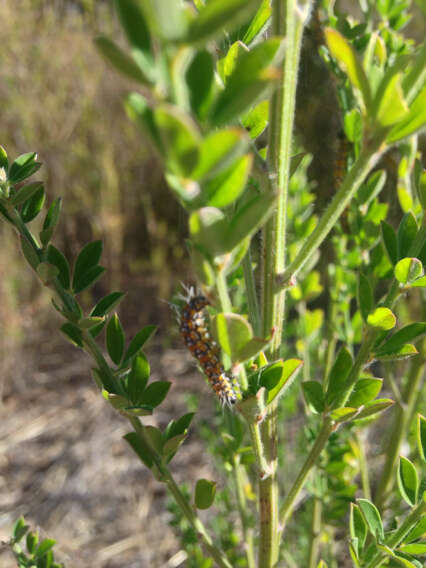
[288, 18]
[253, 304]
[397, 537]
[359, 171]
[314, 544]
[320, 442]
[180, 499]
[363, 467]
[403, 418]
[242, 507]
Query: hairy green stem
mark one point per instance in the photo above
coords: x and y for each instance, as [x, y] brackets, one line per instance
[363, 468]
[403, 418]
[315, 540]
[242, 507]
[287, 18]
[398, 536]
[253, 304]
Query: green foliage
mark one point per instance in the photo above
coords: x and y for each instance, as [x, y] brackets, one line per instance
[207, 99]
[33, 553]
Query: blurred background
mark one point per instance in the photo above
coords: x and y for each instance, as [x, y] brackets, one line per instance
[62, 461]
[63, 464]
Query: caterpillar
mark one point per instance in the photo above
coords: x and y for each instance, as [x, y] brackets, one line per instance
[197, 339]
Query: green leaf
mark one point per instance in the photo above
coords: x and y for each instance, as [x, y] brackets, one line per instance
[225, 188]
[338, 375]
[248, 220]
[32, 207]
[218, 151]
[139, 341]
[134, 24]
[248, 82]
[408, 269]
[418, 531]
[138, 378]
[4, 162]
[23, 167]
[140, 112]
[180, 139]
[390, 242]
[259, 22]
[346, 56]
[278, 377]
[391, 105]
[178, 427]
[19, 529]
[343, 414]
[404, 198]
[140, 448]
[416, 548]
[107, 304]
[88, 278]
[364, 391]
[408, 481]
[121, 62]
[155, 393]
[404, 352]
[372, 518]
[88, 257]
[314, 396]
[205, 492]
[50, 221]
[382, 318]
[166, 19]
[371, 188]
[47, 272]
[374, 407]
[421, 436]
[208, 226]
[256, 120]
[407, 333]
[115, 339]
[232, 332]
[419, 283]
[414, 120]
[73, 334]
[55, 257]
[44, 547]
[217, 15]
[357, 526]
[29, 253]
[353, 125]
[31, 541]
[26, 192]
[199, 78]
[365, 296]
[227, 65]
[172, 445]
[407, 232]
[90, 322]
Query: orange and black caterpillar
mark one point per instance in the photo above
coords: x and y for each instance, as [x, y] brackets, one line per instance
[197, 339]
